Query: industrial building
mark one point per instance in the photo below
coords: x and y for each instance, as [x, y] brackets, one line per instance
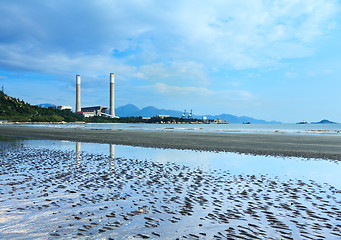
[96, 110]
[162, 116]
[64, 108]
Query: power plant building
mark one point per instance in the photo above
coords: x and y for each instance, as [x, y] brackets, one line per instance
[96, 110]
[64, 108]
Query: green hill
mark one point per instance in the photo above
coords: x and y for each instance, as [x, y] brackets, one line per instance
[13, 109]
[16, 110]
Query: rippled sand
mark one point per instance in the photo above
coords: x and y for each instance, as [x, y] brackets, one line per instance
[51, 194]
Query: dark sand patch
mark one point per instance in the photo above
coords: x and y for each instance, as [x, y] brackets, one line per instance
[48, 194]
[308, 146]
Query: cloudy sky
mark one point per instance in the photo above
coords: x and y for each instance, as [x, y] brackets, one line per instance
[268, 59]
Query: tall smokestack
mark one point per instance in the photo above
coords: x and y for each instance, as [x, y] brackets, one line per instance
[112, 95]
[78, 93]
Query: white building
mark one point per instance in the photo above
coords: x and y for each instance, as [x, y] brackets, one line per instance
[64, 108]
[95, 111]
[163, 116]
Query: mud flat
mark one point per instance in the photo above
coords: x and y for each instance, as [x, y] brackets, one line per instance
[48, 194]
[308, 146]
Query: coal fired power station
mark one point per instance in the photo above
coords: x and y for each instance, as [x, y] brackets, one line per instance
[96, 110]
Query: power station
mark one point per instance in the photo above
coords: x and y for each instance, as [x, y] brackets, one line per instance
[96, 110]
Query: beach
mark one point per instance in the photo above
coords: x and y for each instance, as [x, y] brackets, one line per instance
[133, 184]
[49, 192]
[308, 146]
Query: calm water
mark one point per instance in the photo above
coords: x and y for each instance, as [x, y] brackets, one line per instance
[321, 171]
[330, 129]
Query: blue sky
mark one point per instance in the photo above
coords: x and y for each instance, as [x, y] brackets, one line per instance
[273, 60]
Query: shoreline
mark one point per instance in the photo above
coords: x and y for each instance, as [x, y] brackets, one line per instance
[307, 146]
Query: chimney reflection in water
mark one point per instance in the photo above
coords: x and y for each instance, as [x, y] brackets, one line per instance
[112, 157]
[78, 152]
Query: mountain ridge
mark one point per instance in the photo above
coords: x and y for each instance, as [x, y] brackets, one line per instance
[324, 121]
[150, 111]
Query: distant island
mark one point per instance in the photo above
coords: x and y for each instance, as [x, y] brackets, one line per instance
[324, 121]
[303, 122]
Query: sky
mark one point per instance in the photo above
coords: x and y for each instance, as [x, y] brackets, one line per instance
[268, 59]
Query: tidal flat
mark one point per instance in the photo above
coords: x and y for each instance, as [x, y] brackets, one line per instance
[62, 190]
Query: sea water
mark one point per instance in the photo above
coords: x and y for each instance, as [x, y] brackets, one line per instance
[311, 129]
[319, 170]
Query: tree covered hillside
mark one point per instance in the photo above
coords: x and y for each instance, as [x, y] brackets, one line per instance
[13, 109]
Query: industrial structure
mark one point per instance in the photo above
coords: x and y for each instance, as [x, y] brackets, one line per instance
[64, 108]
[162, 116]
[112, 94]
[96, 110]
[189, 116]
[78, 93]
[184, 114]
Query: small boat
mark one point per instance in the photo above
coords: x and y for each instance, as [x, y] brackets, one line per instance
[303, 122]
[246, 123]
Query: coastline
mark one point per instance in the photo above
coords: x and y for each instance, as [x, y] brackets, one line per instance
[307, 146]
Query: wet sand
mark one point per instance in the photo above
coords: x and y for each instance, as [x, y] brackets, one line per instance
[51, 194]
[308, 146]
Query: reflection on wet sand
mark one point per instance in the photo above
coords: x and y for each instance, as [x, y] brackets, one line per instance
[112, 151]
[112, 157]
[78, 152]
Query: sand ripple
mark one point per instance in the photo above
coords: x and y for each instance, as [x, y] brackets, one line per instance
[50, 194]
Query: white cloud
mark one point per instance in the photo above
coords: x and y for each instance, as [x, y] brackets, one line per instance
[178, 47]
[175, 72]
[203, 93]
[182, 91]
[234, 34]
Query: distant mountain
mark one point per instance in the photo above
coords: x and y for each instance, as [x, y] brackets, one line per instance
[130, 110]
[235, 119]
[152, 111]
[127, 110]
[324, 121]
